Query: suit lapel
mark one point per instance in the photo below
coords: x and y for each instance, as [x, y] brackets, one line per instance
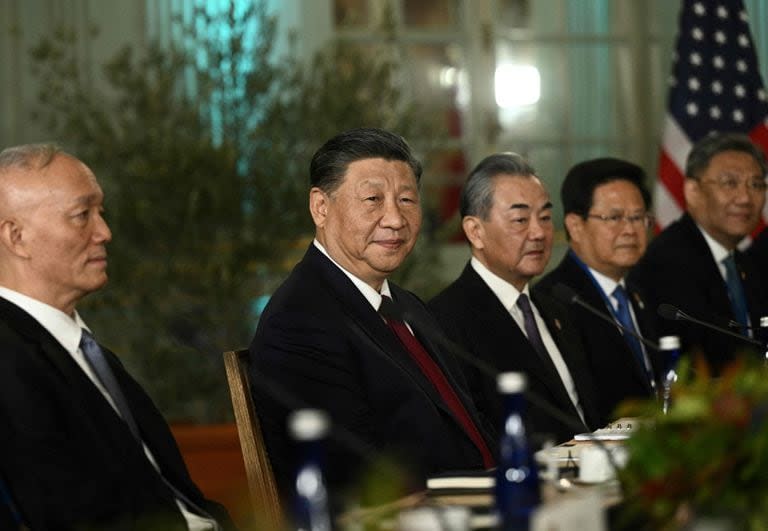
[511, 340]
[367, 324]
[583, 284]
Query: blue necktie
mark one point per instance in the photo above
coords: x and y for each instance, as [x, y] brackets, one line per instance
[625, 318]
[95, 357]
[736, 292]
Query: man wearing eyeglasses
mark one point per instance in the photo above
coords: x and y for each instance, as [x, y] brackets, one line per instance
[605, 202]
[490, 310]
[694, 263]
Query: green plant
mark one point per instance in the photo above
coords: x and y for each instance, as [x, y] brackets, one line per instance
[708, 457]
[201, 147]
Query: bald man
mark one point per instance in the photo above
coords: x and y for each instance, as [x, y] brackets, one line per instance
[81, 444]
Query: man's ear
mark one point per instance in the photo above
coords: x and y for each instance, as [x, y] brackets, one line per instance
[11, 237]
[318, 206]
[474, 231]
[691, 192]
[575, 226]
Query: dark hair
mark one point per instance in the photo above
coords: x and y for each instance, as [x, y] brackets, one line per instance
[477, 192]
[330, 162]
[578, 190]
[714, 143]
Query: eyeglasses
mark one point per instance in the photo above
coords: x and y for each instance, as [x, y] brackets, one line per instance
[731, 183]
[614, 221]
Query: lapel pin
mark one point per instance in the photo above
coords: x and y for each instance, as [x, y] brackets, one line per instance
[558, 325]
[638, 300]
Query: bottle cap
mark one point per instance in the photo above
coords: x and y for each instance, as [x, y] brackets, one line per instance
[511, 382]
[308, 424]
[669, 342]
[764, 321]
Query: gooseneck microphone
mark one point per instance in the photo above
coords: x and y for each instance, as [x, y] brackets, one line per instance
[568, 296]
[672, 313]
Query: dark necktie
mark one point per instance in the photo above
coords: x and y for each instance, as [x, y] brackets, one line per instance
[435, 375]
[531, 330]
[625, 319]
[736, 293]
[98, 362]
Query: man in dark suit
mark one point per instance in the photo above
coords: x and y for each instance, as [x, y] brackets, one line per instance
[606, 203]
[694, 263]
[338, 336]
[489, 311]
[81, 444]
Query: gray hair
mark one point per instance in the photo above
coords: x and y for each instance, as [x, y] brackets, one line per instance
[715, 143]
[477, 192]
[28, 156]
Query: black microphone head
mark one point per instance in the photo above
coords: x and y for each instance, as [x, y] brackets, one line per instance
[564, 293]
[667, 311]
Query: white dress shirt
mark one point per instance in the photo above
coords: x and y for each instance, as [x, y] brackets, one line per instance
[508, 295]
[66, 330]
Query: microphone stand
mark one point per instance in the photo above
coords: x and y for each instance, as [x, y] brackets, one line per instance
[672, 313]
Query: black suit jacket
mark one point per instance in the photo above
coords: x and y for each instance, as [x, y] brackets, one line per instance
[69, 459]
[615, 369]
[472, 316]
[678, 268]
[320, 343]
[758, 252]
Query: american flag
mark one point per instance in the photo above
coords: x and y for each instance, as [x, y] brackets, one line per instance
[715, 86]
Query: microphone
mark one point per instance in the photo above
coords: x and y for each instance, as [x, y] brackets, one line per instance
[438, 337]
[567, 295]
[672, 313]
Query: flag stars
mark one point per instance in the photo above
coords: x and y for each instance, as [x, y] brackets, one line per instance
[761, 94]
[743, 40]
[697, 34]
[692, 109]
[699, 9]
[717, 87]
[694, 84]
[718, 62]
[741, 65]
[695, 58]
[740, 91]
[743, 15]
[722, 12]
[738, 116]
[720, 37]
[715, 112]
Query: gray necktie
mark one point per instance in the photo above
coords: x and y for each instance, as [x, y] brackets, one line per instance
[531, 330]
[98, 362]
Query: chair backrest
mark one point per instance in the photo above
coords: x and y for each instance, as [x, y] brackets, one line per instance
[261, 480]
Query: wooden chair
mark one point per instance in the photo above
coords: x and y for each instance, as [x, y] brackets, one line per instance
[261, 481]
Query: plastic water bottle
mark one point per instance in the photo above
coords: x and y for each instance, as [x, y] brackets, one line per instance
[517, 482]
[308, 427]
[670, 348]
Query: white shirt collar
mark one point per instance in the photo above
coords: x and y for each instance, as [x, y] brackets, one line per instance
[718, 250]
[606, 283]
[506, 292]
[370, 294]
[65, 329]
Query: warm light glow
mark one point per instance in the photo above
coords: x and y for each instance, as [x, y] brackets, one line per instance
[517, 85]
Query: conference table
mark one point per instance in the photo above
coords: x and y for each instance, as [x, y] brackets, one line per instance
[577, 485]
